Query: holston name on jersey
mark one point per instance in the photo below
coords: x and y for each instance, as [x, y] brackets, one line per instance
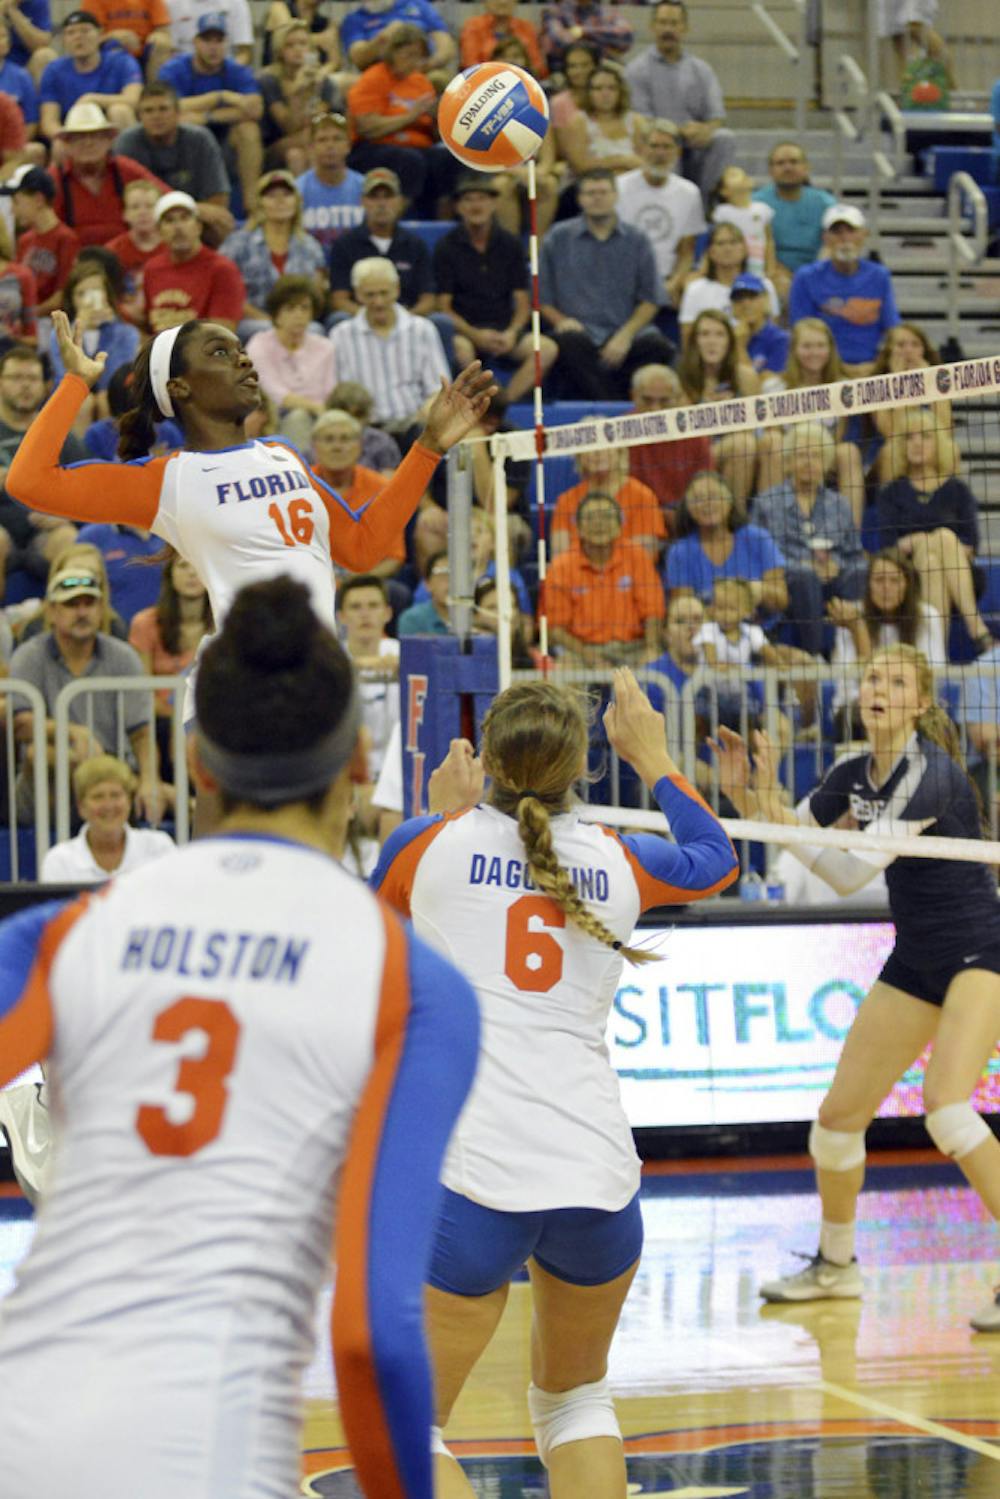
[209, 955]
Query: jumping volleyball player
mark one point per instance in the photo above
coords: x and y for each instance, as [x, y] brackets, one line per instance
[941, 981]
[246, 1047]
[238, 511]
[540, 907]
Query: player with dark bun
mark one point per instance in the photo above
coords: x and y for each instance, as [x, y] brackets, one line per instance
[250, 1054]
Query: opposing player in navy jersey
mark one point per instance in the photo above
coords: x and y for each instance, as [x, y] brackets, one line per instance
[538, 907]
[941, 982]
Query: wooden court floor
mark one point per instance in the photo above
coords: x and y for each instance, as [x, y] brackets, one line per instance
[889, 1398]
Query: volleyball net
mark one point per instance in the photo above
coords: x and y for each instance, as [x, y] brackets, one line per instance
[746, 556]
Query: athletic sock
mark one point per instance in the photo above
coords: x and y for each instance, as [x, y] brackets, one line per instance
[836, 1242]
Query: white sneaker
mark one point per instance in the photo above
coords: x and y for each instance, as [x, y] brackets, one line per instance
[819, 1281]
[987, 1319]
[25, 1122]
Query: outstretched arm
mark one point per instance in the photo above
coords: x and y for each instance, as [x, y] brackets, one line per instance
[359, 539]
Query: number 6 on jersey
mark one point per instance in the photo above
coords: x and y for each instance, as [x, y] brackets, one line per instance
[533, 960]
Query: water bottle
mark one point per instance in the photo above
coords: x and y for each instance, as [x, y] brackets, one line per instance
[752, 887]
[775, 892]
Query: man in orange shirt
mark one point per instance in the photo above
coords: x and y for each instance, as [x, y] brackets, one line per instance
[336, 440]
[393, 111]
[481, 35]
[603, 597]
[142, 27]
[605, 470]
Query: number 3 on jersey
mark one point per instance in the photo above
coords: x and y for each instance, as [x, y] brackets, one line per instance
[533, 960]
[202, 1078]
[294, 521]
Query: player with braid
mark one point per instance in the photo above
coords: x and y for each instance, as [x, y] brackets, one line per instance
[538, 907]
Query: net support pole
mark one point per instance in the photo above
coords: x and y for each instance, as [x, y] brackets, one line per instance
[536, 344]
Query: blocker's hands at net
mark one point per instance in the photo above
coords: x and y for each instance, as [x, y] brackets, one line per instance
[458, 407]
[75, 361]
[458, 781]
[636, 732]
[733, 763]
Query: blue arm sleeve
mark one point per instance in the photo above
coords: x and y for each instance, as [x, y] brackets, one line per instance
[399, 839]
[701, 862]
[19, 939]
[432, 1081]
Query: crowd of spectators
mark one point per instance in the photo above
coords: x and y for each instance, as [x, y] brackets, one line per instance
[163, 162]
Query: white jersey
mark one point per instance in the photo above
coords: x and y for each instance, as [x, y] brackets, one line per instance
[218, 1053]
[544, 1126]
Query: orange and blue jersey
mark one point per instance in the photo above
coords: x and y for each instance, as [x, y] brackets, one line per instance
[544, 1126]
[239, 1081]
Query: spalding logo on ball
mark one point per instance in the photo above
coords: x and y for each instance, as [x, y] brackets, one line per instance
[492, 116]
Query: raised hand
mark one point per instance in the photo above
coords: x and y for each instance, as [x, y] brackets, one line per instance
[458, 781]
[734, 767]
[458, 407]
[636, 732]
[765, 777]
[75, 361]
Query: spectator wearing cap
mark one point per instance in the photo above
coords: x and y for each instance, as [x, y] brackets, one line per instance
[798, 208]
[853, 296]
[759, 339]
[17, 83]
[217, 91]
[380, 233]
[365, 34]
[397, 356]
[671, 83]
[393, 109]
[91, 72]
[140, 27]
[72, 647]
[185, 15]
[330, 189]
[664, 205]
[44, 244]
[726, 256]
[274, 244]
[187, 158]
[90, 191]
[600, 293]
[187, 279]
[497, 22]
[482, 282]
[295, 366]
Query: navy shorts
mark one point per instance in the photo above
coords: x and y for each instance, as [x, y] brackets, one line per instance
[931, 984]
[477, 1249]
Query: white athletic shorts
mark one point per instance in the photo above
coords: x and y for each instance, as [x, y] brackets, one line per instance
[895, 15]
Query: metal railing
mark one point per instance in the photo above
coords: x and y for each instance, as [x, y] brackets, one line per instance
[853, 91]
[964, 252]
[14, 687]
[797, 55]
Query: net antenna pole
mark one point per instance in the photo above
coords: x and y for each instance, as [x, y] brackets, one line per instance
[536, 344]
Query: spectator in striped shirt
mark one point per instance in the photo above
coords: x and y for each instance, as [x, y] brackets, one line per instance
[397, 356]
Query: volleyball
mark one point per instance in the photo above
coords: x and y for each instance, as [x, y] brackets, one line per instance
[492, 116]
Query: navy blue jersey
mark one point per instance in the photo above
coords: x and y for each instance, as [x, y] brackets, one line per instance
[942, 908]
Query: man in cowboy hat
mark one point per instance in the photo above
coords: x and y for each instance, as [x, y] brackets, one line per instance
[90, 190]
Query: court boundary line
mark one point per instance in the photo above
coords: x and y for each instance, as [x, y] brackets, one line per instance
[919, 1423]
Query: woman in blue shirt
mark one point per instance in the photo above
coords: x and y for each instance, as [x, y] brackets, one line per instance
[714, 540]
[274, 244]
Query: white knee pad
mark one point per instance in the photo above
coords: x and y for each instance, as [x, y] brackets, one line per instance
[438, 1447]
[835, 1149]
[573, 1416]
[956, 1129]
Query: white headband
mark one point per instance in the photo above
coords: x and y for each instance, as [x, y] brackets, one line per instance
[160, 353]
